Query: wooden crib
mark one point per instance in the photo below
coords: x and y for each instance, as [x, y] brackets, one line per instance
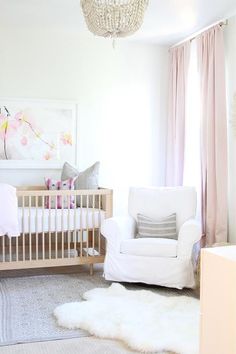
[57, 237]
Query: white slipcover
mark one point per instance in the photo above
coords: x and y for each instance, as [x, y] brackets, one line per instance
[153, 261]
[152, 247]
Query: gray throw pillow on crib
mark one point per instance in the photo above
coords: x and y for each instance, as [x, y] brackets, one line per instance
[87, 179]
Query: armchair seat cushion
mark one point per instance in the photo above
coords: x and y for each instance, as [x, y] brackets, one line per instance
[150, 247]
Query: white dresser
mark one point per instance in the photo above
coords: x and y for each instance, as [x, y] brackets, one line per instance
[218, 301]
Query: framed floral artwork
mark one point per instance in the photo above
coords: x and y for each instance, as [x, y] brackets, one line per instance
[37, 133]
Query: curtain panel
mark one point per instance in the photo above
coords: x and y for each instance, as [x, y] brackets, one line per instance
[179, 64]
[211, 59]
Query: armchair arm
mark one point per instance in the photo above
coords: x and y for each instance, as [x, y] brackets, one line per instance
[189, 234]
[117, 229]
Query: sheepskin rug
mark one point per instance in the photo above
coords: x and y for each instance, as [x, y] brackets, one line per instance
[145, 321]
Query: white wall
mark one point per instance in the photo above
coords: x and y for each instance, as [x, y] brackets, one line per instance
[230, 45]
[121, 95]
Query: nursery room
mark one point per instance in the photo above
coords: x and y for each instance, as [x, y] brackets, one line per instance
[117, 176]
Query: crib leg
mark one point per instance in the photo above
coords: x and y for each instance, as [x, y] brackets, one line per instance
[91, 269]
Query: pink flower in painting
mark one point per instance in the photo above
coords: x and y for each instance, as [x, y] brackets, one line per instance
[66, 138]
[23, 117]
[19, 116]
[24, 140]
[47, 156]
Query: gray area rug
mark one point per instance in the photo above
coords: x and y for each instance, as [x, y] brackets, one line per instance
[27, 304]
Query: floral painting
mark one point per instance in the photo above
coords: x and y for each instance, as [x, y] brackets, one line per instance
[37, 131]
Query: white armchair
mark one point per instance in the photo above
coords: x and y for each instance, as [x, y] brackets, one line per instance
[159, 261]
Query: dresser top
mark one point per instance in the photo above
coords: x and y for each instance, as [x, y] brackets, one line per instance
[228, 252]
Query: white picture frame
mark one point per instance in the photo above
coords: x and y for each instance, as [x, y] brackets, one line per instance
[46, 113]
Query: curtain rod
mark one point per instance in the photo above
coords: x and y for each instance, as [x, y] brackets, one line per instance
[196, 34]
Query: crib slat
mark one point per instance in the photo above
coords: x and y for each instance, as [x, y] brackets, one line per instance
[62, 229]
[36, 228]
[99, 224]
[93, 223]
[87, 239]
[68, 226]
[10, 250]
[56, 207]
[75, 233]
[43, 234]
[49, 228]
[3, 248]
[23, 228]
[81, 226]
[30, 236]
[17, 249]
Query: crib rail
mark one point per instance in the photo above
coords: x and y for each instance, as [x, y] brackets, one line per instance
[58, 227]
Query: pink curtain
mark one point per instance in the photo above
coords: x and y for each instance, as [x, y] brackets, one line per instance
[179, 64]
[211, 58]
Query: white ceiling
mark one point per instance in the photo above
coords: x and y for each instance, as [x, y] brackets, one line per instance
[166, 21]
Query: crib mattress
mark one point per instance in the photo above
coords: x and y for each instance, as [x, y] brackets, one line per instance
[50, 220]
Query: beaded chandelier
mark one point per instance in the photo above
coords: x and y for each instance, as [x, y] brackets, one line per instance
[114, 18]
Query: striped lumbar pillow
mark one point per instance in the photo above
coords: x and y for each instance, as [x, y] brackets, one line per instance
[162, 228]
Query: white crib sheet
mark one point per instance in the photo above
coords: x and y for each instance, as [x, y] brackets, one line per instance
[45, 220]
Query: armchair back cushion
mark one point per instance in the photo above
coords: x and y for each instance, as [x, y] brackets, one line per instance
[158, 203]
